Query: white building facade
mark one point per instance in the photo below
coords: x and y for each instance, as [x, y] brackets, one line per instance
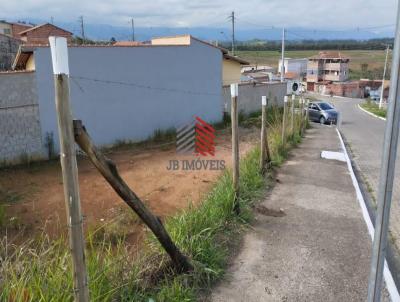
[298, 66]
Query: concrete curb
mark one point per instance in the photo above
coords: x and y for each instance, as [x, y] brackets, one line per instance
[390, 284]
[370, 113]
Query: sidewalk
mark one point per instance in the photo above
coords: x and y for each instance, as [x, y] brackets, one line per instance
[320, 250]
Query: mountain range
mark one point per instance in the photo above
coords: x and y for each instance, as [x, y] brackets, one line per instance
[106, 32]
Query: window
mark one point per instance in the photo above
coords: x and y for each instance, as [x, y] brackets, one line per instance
[325, 106]
[7, 31]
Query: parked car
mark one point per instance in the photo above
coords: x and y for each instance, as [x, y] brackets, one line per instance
[322, 112]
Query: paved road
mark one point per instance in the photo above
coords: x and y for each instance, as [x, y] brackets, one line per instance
[365, 133]
[319, 251]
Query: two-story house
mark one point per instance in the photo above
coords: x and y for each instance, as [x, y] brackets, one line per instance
[12, 29]
[327, 66]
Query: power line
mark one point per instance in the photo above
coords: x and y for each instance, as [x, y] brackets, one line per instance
[142, 86]
[297, 35]
[342, 30]
[270, 27]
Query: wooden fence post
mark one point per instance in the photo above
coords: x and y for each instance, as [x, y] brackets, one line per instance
[59, 55]
[235, 145]
[292, 114]
[302, 116]
[265, 156]
[285, 100]
[306, 114]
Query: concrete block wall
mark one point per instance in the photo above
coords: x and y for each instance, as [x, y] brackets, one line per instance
[20, 131]
[350, 89]
[250, 94]
[8, 50]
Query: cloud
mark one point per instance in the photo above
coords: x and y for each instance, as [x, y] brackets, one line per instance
[315, 14]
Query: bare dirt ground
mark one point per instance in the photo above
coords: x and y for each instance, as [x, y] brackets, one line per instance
[34, 199]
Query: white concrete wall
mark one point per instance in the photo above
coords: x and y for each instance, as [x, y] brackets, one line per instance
[294, 65]
[249, 99]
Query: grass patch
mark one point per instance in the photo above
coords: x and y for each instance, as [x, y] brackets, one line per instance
[40, 270]
[373, 107]
[2, 215]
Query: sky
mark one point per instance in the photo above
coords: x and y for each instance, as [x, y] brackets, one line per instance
[319, 14]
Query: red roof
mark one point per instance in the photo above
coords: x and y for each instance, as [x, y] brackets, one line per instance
[127, 43]
[41, 25]
[329, 55]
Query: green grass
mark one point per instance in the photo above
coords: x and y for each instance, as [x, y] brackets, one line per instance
[40, 270]
[374, 59]
[373, 107]
[2, 215]
[6, 197]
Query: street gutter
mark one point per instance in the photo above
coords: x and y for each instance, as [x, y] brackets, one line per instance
[392, 263]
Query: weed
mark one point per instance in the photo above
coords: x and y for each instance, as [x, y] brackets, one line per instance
[115, 230]
[24, 159]
[164, 135]
[373, 108]
[8, 196]
[50, 145]
[2, 215]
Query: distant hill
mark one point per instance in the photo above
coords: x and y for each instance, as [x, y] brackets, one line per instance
[106, 31]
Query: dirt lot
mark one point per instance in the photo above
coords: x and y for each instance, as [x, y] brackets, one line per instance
[34, 195]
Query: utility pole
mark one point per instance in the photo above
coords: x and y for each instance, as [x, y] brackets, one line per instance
[69, 168]
[386, 174]
[232, 17]
[283, 56]
[133, 29]
[383, 79]
[82, 29]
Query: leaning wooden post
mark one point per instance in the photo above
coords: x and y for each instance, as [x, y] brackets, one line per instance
[109, 171]
[285, 100]
[292, 114]
[265, 156]
[59, 55]
[235, 145]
